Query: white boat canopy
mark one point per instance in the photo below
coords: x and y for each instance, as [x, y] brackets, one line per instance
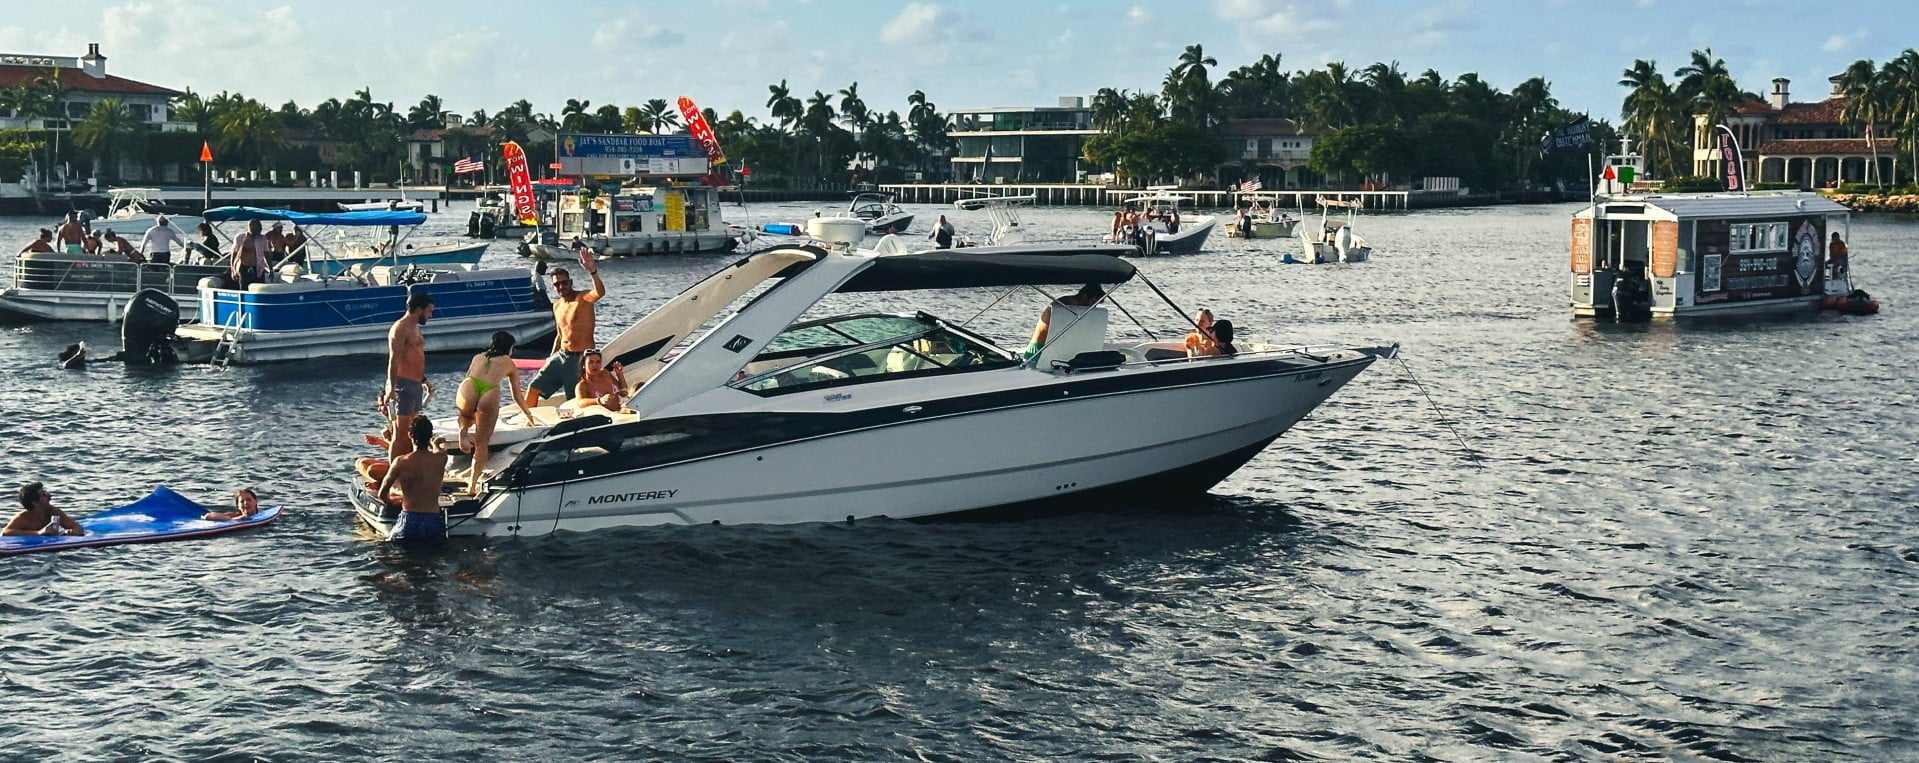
[1714, 206]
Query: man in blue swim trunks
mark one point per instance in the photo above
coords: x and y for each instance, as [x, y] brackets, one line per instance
[406, 387]
[419, 475]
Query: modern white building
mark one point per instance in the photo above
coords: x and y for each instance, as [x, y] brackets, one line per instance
[1021, 144]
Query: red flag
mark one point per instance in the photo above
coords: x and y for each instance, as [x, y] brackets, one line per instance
[1609, 174]
[701, 131]
[206, 151]
[521, 183]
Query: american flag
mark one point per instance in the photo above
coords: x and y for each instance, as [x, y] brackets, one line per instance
[468, 164]
[1249, 186]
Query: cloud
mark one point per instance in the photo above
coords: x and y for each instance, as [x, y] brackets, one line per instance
[1137, 15]
[1239, 10]
[624, 32]
[914, 23]
[1839, 42]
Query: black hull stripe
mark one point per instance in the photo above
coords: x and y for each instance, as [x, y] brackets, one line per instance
[716, 435]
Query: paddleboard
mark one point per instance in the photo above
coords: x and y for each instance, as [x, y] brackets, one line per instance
[161, 516]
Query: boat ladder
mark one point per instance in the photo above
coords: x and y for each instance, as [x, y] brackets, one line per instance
[229, 337]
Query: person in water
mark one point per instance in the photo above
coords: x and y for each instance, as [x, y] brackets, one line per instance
[245, 504]
[38, 516]
[479, 401]
[406, 385]
[600, 385]
[573, 316]
[419, 475]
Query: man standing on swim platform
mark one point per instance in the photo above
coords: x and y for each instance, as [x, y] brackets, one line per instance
[406, 386]
[573, 318]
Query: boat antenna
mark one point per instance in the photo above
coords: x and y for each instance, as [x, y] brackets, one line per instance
[1168, 300]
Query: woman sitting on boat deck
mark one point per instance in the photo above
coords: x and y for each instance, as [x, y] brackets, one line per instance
[479, 401]
[599, 385]
[1202, 343]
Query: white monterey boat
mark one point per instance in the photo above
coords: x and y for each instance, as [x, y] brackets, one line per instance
[879, 212]
[131, 211]
[1161, 235]
[768, 418]
[1334, 240]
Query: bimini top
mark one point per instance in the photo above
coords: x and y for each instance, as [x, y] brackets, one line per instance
[375, 217]
[984, 202]
[990, 266]
[1715, 206]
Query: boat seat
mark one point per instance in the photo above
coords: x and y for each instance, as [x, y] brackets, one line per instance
[1097, 360]
[1068, 337]
[286, 287]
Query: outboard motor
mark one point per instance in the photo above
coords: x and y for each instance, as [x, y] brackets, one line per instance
[147, 326]
[1343, 242]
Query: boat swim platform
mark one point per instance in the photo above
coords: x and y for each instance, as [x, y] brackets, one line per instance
[1097, 195]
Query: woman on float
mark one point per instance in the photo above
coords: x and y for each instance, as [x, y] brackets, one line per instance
[479, 401]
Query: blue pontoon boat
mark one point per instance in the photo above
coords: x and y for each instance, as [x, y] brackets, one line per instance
[335, 310]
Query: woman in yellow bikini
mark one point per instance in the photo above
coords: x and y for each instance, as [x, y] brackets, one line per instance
[479, 401]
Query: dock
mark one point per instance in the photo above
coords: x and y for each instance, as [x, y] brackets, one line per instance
[1093, 194]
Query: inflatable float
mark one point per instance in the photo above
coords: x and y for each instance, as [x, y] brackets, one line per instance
[162, 515]
[1857, 302]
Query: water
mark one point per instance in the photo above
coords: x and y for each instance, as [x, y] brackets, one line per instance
[1694, 541]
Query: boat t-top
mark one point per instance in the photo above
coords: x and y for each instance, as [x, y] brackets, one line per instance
[879, 212]
[131, 211]
[1004, 212]
[1164, 229]
[1259, 216]
[744, 410]
[1334, 239]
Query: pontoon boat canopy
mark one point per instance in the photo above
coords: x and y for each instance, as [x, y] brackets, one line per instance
[377, 217]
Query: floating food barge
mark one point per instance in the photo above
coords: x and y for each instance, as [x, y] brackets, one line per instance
[1707, 254]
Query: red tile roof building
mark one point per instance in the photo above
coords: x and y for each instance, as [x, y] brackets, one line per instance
[1809, 144]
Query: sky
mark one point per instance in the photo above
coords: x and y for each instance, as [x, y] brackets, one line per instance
[484, 54]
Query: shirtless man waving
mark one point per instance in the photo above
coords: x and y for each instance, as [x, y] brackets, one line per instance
[406, 387]
[419, 475]
[573, 319]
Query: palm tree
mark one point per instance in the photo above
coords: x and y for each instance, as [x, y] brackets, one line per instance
[657, 115]
[1187, 90]
[1706, 87]
[853, 111]
[425, 115]
[1868, 100]
[189, 107]
[575, 114]
[42, 98]
[1109, 109]
[107, 130]
[1654, 113]
[783, 106]
[1388, 91]
[249, 131]
[1902, 79]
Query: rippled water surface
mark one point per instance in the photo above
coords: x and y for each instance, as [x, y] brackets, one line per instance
[1694, 541]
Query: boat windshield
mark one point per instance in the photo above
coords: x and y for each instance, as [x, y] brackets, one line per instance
[859, 349]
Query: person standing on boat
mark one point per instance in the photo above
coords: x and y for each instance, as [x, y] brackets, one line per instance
[573, 321]
[406, 385]
[296, 245]
[276, 244]
[73, 238]
[249, 263]
[38, 516]
[209, 244]
[1836, 256]
[418, 474]
[943, 233]
[159, 241]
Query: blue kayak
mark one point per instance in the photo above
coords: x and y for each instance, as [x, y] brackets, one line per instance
[161, 516]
